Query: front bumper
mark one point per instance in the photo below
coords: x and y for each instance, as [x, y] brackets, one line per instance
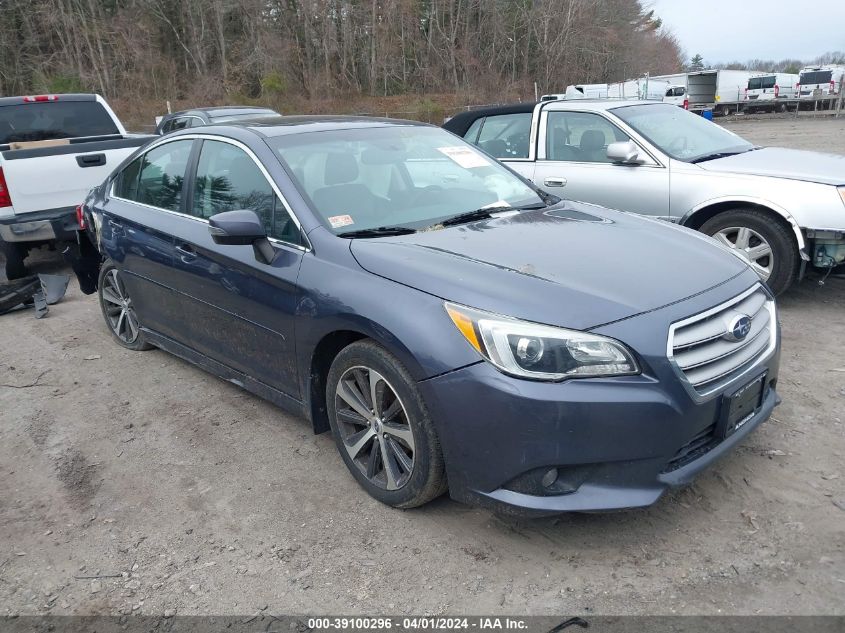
[615, 442]
[44, 226]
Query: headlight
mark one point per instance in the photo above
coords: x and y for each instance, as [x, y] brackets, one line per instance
[541, 352]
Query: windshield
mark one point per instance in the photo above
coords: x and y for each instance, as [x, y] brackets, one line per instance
[54, 120]
[409, 176]
[681, 134]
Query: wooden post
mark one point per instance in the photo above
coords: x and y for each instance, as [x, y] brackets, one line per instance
[841, 99]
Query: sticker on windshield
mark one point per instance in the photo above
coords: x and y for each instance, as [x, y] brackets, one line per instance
[466, 157]
[339, 221]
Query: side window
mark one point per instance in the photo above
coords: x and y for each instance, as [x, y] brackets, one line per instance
[181, 123]
[228, 179]
[506, 135]
[126, 183]
[472, 132]
[162, 175]
[580, 137]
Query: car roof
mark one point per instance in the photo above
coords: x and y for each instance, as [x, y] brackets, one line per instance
[215, 111]
[460, 123]
[300, 124]
[595, 105]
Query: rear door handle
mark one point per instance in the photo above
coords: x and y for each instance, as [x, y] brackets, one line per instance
[186, 252]
[91, 160]
[555, 182]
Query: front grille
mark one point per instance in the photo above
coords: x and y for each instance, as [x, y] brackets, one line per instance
[695, 448]
[702, 349]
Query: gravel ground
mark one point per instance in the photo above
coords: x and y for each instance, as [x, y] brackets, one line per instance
[136, 483]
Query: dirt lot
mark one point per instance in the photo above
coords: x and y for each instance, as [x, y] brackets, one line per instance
[187, 494]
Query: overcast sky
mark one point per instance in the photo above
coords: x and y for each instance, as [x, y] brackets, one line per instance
[739, 30]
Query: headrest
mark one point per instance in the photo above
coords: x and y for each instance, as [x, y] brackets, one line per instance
[592, 139]
[340, 169]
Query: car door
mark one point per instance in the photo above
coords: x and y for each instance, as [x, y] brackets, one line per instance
[135, 231]
[572, 163]
[241, 311]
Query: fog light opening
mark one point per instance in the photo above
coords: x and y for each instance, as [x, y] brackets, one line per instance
[549, 478]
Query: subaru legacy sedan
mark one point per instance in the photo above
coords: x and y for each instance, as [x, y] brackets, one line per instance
[455, 327]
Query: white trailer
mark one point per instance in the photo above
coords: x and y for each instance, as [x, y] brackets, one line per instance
[643, 89]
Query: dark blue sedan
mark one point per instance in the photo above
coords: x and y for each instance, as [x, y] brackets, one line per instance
[453, 326]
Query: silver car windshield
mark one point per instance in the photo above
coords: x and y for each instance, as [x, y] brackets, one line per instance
[681, 134]
[396, 176]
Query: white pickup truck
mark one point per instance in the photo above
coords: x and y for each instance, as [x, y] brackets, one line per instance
[53, 150]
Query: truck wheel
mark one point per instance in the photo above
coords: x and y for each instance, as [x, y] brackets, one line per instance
[768, 246]
[15, 254]
[725, 110]
[382, 427]
[118, 311]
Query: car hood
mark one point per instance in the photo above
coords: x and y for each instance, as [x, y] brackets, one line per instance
[575, 265]
[779, 162]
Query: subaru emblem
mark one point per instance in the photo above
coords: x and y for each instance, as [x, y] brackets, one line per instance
[738, 328]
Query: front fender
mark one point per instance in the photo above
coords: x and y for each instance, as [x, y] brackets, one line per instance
[737, 200]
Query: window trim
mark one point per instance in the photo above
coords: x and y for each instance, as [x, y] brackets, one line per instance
[177, 118]
[306, 247]
[543, 132]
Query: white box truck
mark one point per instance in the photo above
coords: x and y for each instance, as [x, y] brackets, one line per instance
[719, 90]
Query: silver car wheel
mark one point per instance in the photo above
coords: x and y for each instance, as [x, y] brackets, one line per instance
[118, 308]
[751, 245]
[374, 427]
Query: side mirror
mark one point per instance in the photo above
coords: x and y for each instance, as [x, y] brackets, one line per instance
[241, 228]
[625, 152]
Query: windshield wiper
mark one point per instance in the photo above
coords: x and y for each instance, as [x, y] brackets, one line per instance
[716, 155]
[471, 216]
[379, 231]
[484, 213]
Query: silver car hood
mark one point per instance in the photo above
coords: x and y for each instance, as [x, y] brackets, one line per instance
[779, 162]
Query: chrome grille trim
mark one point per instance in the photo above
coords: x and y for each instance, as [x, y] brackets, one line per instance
[705, 359]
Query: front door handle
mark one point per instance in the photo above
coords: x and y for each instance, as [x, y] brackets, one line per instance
[186, 252]
[555, 182]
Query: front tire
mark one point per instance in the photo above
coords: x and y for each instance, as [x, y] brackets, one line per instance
[768, 246]
[382, 428]
[118, 310]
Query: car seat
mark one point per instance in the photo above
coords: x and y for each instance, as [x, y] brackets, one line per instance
[341, 195]
[592, 146]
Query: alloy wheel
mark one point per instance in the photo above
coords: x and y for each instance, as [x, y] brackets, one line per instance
[117, 305]
[374, 426]
[751, 245]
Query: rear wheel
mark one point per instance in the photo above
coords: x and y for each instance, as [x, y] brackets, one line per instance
[15, 255]
[118, 309]
[726, 110]
[382, 428]
[762, 240]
